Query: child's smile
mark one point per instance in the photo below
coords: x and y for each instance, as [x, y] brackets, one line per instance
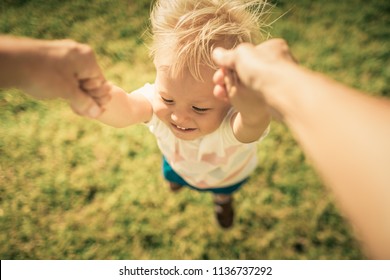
[187, 106]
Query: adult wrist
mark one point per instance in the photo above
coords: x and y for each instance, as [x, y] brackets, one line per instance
[282, 88]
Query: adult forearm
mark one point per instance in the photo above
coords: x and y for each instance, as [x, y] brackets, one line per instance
[346, 134]
[13, 52]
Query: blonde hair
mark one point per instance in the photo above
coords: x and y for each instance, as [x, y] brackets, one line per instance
[193, 28]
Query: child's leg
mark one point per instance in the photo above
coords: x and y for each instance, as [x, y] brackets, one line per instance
[175, 187]
[174, 180]
[223, 201]
[224, 209]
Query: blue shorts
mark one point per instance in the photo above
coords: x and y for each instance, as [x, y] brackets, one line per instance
[172, 176]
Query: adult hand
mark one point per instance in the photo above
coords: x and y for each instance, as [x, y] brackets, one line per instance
[256, 66]
[333, 123]
[53, 69]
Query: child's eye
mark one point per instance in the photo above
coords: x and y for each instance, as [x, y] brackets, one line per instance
[200, 110]
[167, 101]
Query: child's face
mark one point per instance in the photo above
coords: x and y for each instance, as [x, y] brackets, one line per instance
[188, 107]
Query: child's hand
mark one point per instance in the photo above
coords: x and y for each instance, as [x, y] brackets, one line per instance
[229, 88]
[99, 90]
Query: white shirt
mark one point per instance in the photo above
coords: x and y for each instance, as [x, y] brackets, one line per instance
[213, 161]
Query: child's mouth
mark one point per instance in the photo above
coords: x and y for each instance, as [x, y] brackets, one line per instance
[182, 129]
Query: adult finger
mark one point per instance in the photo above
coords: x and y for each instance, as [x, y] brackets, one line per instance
[84, 61]
[85, 105]
[91, 83]
[97, 89]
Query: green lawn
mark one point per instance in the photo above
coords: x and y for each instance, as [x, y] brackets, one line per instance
[71, 188]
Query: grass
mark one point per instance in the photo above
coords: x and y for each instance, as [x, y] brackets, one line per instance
[71, 188]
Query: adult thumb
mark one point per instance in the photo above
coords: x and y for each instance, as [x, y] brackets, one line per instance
[223, 57]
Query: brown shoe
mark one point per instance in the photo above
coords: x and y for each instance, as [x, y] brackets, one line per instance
[224, 212]
[175, 187]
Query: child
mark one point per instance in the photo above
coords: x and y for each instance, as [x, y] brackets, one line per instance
[206, 144]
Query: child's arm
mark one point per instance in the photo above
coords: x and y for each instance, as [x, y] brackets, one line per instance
[253, 117]
[247, 129]
[123, 109]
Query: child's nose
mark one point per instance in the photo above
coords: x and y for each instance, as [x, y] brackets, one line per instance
[179, 116]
